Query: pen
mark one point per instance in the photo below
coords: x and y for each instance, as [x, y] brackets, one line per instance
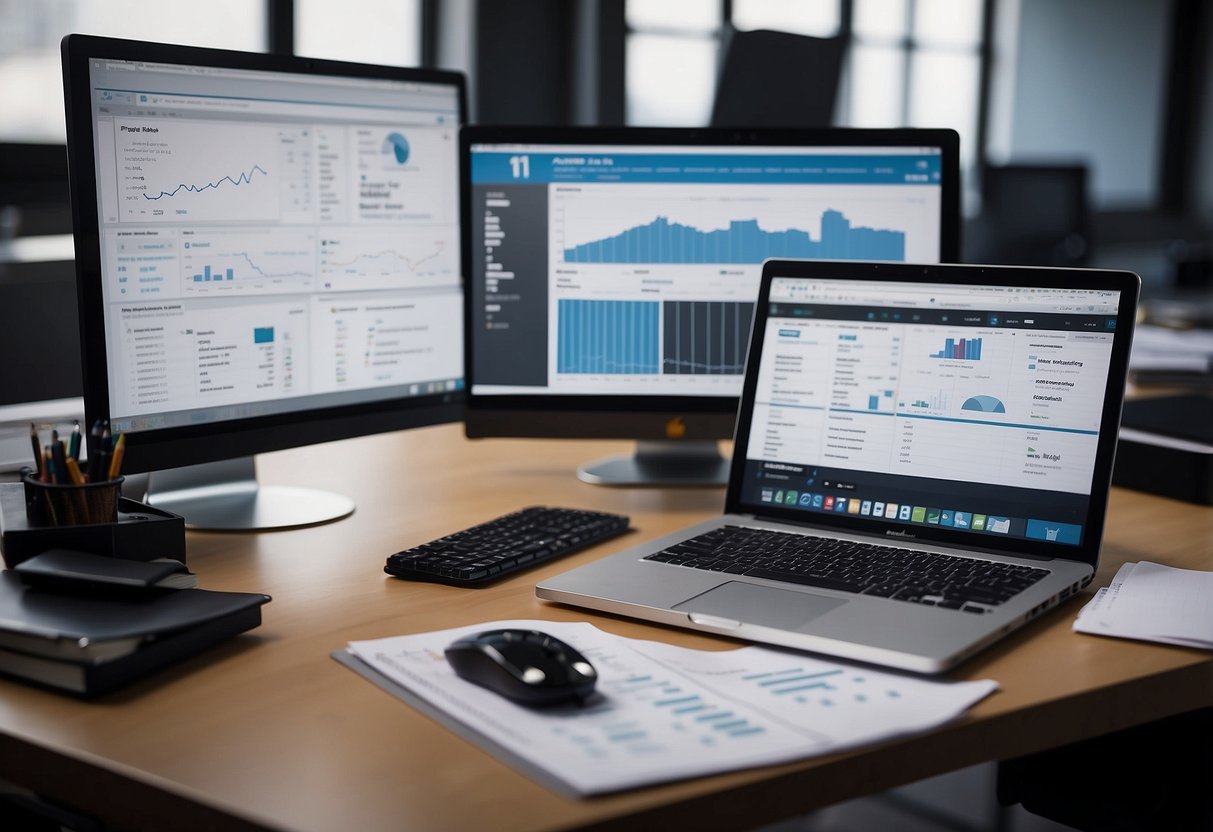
[33, 439]
[116, 461]
[60, 458]
[103, 456]
[73, 446]
[94, 451]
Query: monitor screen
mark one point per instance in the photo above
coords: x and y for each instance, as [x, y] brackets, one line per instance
[613, 273]
[925, 407]
[269, 247]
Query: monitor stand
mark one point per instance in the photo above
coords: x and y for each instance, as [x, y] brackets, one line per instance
[661, 463]
[225, 496]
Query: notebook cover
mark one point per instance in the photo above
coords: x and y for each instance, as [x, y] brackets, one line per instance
[64, 619]
[67, 567]
[89, 680]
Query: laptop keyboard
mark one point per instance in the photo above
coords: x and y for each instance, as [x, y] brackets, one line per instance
[959, 583]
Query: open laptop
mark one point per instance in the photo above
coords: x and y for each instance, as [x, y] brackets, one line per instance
[921, 464]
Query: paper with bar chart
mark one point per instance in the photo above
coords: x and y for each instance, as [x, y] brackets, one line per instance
[665, 713]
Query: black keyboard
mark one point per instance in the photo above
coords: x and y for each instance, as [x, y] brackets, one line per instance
[938, 580]
[508, 544]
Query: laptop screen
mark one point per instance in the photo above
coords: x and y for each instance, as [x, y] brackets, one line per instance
[974, 409]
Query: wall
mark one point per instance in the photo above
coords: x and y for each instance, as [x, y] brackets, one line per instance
[1088, 80]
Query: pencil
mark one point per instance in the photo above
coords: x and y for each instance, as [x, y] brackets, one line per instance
[116, 459]
[73, 471]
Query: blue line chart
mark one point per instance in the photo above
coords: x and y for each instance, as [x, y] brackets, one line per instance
[243, 179]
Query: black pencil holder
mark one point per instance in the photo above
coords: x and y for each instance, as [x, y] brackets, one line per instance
[49, 504]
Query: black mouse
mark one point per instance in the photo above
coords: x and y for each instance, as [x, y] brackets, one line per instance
[527, 666]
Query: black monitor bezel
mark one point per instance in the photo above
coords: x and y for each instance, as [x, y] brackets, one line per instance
[649, 417]
[1127, 283]
[175, 447]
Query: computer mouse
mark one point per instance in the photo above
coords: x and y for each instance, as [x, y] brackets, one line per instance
[527, 666]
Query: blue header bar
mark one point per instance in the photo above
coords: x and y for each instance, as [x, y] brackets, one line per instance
[520, 166]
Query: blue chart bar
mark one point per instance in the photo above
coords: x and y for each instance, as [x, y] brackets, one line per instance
[263, 335]
[608, 336]
[662, 241]
[208, 275]
[874, 401]
[966, 349]
[797, 683]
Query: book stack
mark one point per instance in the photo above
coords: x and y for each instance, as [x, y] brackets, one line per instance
[87, 624]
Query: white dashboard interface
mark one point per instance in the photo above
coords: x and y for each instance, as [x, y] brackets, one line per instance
[272, 242]
[968, 407]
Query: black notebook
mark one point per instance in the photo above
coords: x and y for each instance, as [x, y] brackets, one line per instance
[65, 570]
[91, 645]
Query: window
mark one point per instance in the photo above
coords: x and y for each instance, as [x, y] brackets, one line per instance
[366, 31]
[672, 48]
[916, 63]
[910, 62]
[30, 76]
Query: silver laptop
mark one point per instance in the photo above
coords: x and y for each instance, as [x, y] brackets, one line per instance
[921, 464]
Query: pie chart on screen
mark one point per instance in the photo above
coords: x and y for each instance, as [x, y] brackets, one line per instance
[984, 404]
[396, 145]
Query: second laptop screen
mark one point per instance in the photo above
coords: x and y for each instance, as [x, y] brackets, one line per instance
[630, 270]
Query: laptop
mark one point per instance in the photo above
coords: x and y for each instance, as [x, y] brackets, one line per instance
[921, 464]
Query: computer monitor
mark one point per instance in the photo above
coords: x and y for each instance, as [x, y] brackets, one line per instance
[612, 272]
[267, 254]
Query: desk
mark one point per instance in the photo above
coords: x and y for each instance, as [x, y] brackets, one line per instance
[268, 731]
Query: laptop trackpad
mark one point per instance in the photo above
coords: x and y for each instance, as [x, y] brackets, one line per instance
[782, 609]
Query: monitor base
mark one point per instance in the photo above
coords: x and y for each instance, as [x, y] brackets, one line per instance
[225, 496]
[661, 463]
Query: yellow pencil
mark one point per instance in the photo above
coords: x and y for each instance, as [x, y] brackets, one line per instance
[73, 471]
[116, 460]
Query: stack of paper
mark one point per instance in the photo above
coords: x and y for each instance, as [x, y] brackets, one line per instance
[663, 713]
[1153, 602]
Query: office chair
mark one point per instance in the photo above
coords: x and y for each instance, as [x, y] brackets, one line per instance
[1034, 215]
[777, 79]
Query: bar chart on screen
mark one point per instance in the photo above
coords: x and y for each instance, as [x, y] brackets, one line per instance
[261, 261]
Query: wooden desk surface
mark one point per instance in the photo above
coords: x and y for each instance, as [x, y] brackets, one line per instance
[268, 730]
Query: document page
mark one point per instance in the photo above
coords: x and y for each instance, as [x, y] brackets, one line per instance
[665, 713]
[1153, 602]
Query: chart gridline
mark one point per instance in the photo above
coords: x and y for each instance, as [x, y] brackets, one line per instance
[706, 337]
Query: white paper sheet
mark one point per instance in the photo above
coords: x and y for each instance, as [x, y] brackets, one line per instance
[1153, 602]
[664, 713]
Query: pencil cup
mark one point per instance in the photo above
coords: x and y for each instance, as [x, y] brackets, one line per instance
[47, 504]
